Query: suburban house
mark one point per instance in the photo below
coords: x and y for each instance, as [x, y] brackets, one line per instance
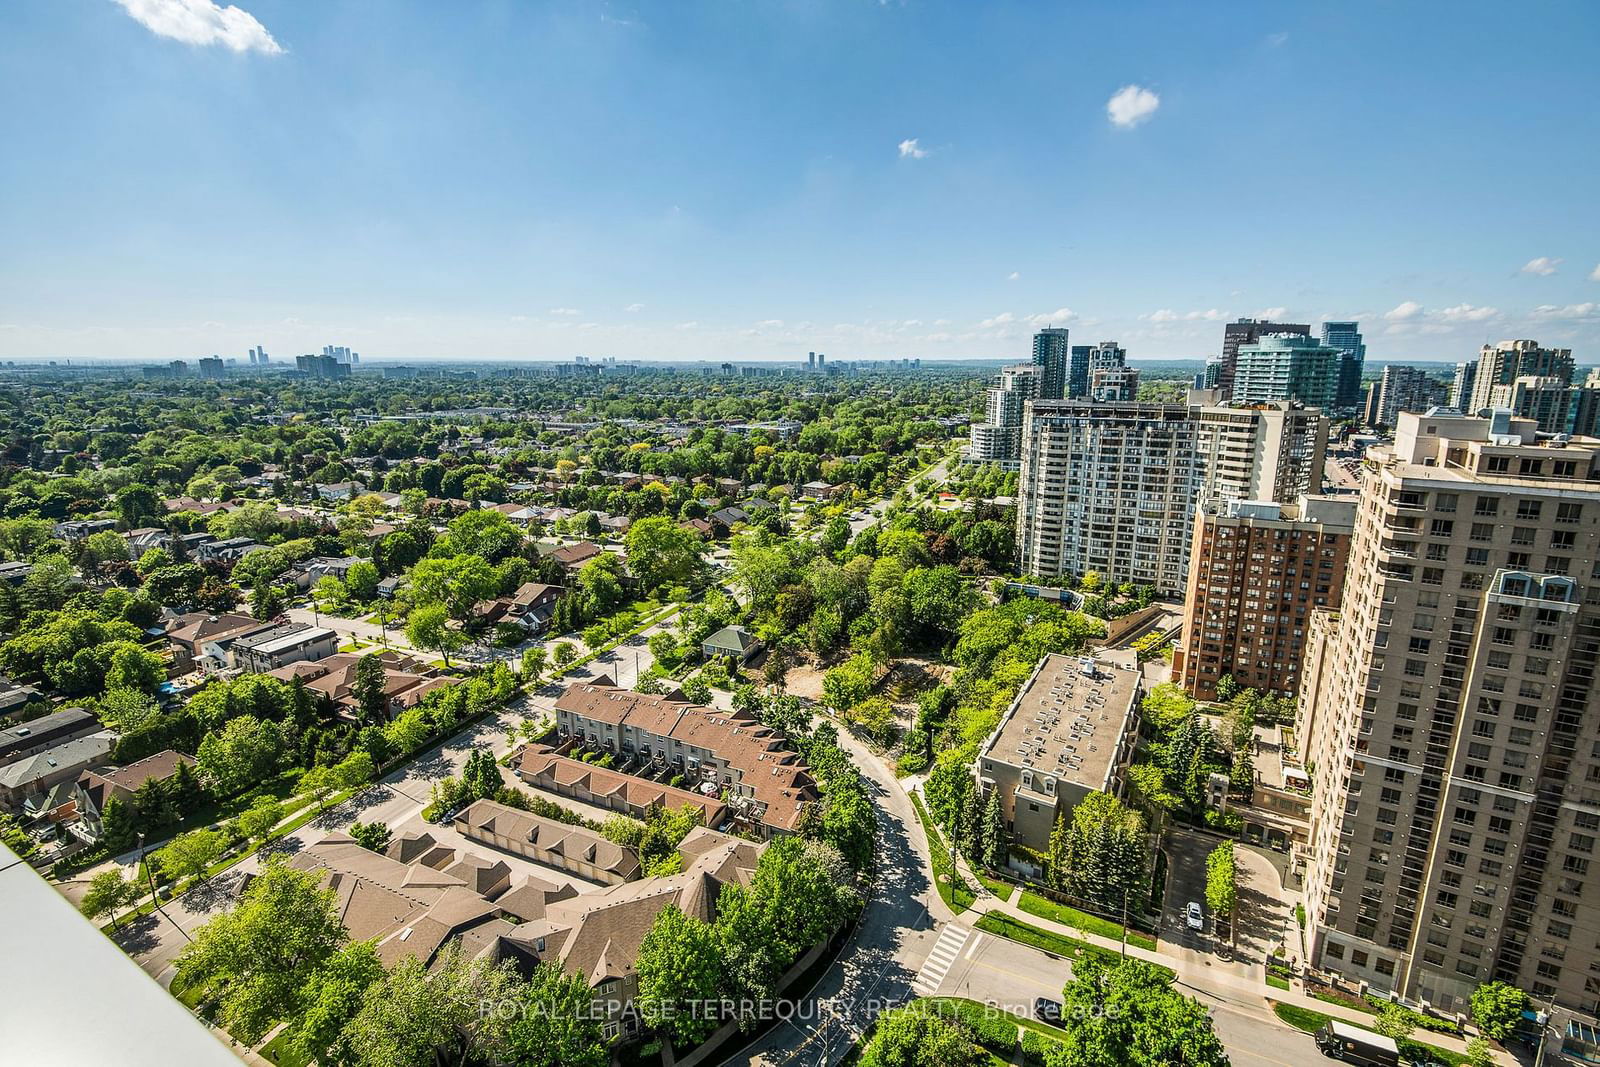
[731, 641]
[76, 805]
[546, 770]
[405, 681]
[278, 646]
[819, 490]
[15, 572]
[765, 784]
[574, 849]
[340, 491]
[572, 557]
[14, 695]
[23, 777]
[390, 586]
[530, 607]
[313, 570]
[78, 529]
[26, 738]
[201, 639]
[231, 548]
[145, 538]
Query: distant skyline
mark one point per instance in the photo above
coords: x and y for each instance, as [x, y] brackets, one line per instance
[704, 180]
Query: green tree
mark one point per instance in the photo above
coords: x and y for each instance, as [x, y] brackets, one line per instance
[190, 855]
[417, 1017]
[333, 997]
[368, 689]
[361, 581]
[679, 968]
[428, 627]
[1100, 852]
[245, 752]
[119, 824]
[320, 782]
[1395, 1021]
[373, 836]
[1222, 884]
[108, 893]
[134, 668]
[1479, 1053]
[260, 957]
[457, 582]
[661, 553]
[600, 579]
[1497, 1009]
[256, 821]
[534, 661]
[1127, 1014]
[554, 1025]
[990, 850]
[912, 1036]
[849, 683]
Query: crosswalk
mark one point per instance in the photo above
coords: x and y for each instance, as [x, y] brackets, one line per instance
[945, 952]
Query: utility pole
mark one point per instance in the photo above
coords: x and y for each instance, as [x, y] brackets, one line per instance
[154, 901]
[1124, 922]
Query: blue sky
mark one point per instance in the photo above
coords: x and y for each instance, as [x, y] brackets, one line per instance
[755, 179]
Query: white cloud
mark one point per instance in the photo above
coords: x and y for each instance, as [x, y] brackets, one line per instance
[588, 325]
[1131, 105]
[1410, 309]
[1543, 266]
[202, 22]
[770, 324]
[1014, 275]
[1594, 275]
[909, 149]
[1467, 313]
[691, 324]
[1277, 40]
[1165, 315]
[1273, 314]
[999, 320]
[633, 308]
[563, 311]
[1586, 310]
[1056, 316]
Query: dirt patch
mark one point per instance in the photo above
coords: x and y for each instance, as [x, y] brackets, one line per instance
[804, 680]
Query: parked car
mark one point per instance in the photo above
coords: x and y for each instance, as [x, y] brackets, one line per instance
[1047, 1010]
[1194, 916]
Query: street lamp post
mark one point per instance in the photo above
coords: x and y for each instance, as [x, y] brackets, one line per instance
[154, 900]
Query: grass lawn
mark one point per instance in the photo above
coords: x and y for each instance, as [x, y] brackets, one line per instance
[1045, 908]
[998, 886]
[279, 1051]
[1312, 1021]
[1277, 983]
[953, 889]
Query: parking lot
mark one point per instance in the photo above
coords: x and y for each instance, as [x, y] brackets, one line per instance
[1263, 899]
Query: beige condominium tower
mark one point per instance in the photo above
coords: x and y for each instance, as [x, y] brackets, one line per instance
[1451, 719]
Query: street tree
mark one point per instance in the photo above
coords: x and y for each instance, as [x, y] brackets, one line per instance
[662, 553]
[1497, 1009]
[915, 1037]
[1222, 885]
[333, 997]
[108, 893]
[428, 627]
[190, 855]
[1127, 1014]
[259, 958]
[417, 1016]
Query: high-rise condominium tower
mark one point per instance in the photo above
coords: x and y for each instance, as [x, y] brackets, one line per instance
[1461, 386]
[1246, 332]
[1527, 380]
[1405, 389]
[1346, 337]
[1449, 711]
[1111, 487]
[998, 439]
[1051, 355]
[1257, 569]
[1287, 367]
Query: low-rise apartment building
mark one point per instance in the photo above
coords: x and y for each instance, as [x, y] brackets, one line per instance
[1069, 732]
[278, 646]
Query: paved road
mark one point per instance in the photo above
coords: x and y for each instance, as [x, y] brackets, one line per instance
[898, 930]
